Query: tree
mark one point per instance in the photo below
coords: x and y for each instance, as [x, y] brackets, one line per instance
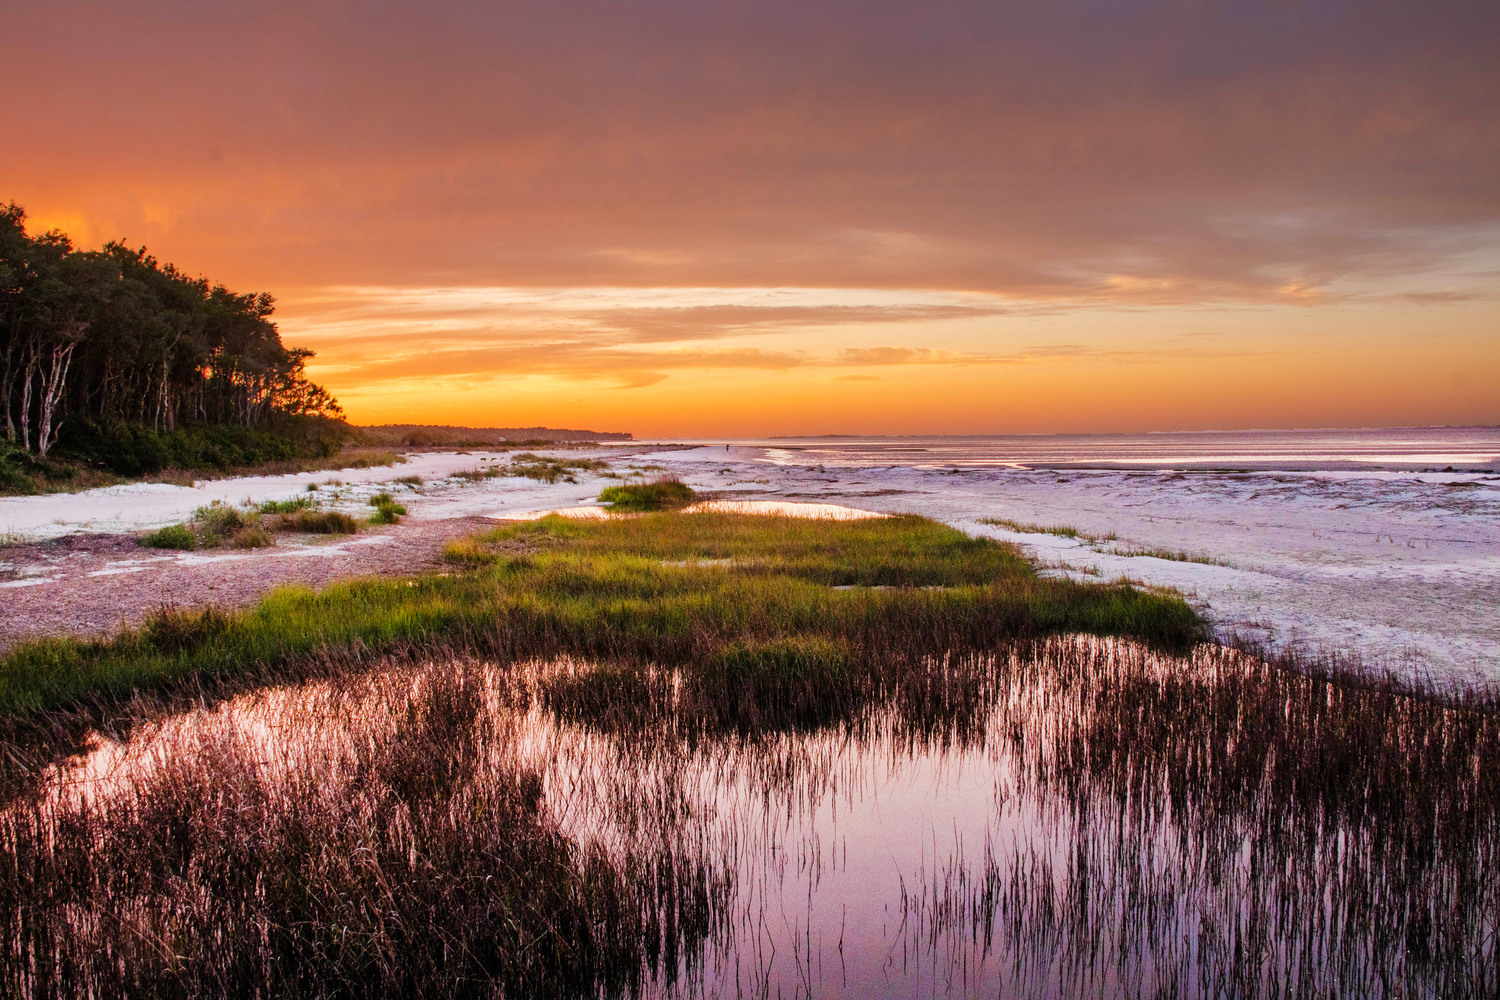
[117, 337]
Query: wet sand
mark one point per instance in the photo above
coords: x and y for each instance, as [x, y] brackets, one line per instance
[92, 585]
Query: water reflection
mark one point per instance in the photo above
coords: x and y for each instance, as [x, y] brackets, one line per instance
[1089, 819]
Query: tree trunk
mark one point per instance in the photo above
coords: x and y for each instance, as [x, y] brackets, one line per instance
[27, 370]
[7, 382]
[53, 383]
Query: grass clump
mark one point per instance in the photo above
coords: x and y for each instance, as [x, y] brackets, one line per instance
[663, 494]
[1170, 555]
[173, 536]
[251, 536]
[288, 506]
[387, 510]
[319, 522]
[468, 553]
[218, 522]
[211, 527]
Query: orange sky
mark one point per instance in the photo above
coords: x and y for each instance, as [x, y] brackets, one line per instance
[720, 218]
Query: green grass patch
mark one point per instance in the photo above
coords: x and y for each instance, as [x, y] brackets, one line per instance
[741, 600]
[664, 494]
[220, 524]
[290, 505]
[173, 536]
[387, 510]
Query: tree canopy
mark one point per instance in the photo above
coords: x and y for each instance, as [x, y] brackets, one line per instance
[116, 337]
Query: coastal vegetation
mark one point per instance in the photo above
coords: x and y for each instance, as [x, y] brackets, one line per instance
[531, 466]
[1061, 530]
[673, 676]
[112, 361]
[220, 525]
[550, 470]
[663, 494]
[656, 588]
[387, 510]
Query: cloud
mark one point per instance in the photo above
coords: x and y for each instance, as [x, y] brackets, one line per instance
[1077, 151]
[872, 356]
[578, 360]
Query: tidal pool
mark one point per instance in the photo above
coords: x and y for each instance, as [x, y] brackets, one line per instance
[1076, 817]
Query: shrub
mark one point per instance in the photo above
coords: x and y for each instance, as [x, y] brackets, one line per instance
[129, 450]
[664, 494]
[173, 536]
[218, 522]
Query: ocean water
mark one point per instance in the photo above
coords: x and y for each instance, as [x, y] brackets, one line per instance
[1394, 449]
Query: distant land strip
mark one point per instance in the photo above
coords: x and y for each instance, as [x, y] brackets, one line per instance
[420, 435]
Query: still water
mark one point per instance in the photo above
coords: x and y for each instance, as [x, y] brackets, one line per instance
[1076, 818]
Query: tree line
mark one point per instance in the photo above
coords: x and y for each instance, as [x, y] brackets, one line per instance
[115, 337]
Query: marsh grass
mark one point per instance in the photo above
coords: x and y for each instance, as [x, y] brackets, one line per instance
[668, 588]
[1171, 555]
[290, 505]
[1198, 825]
[395, 850]
[1199, 821]
[1061, 530]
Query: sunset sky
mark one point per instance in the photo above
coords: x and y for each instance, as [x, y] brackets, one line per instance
[702, 218]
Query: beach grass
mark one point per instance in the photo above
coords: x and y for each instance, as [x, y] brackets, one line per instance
[670, 588]
[663, 494]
